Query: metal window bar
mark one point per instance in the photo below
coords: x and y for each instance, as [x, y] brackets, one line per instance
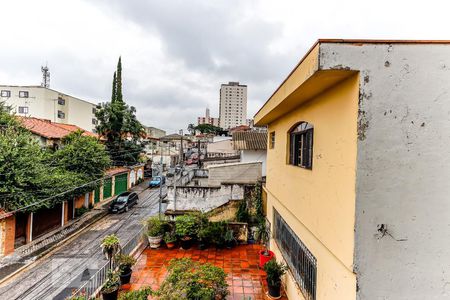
[299, 259]
[92, 287]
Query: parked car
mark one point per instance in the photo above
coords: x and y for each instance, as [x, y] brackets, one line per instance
[123, 202]
[170, 172]
[157, 181]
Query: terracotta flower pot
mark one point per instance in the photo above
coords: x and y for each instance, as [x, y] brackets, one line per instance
[265, 258]
[170, 245]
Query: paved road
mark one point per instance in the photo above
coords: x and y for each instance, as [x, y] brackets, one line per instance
[55, 276]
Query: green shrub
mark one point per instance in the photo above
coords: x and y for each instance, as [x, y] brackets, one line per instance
[112, 283]
[217, 230]
[274, 272]
[141, 294]
[170, 237]
[187, 225]
[125, 262]
[80, 211]
[242, 214]
[156, 226]
[110, 242]
[191, 280]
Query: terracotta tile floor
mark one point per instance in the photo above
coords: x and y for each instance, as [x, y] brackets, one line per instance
[245, 279]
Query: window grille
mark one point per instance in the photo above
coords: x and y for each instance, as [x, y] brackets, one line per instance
[299, 259]
[301, 145]
[23, 94]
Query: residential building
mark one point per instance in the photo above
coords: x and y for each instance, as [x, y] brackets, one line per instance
[45, 103]
[233, 105]
[358, 170]
[154, 132]
[252, 147]
[207, 119]
[50, 134]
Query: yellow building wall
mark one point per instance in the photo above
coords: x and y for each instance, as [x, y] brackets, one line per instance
[319, 204]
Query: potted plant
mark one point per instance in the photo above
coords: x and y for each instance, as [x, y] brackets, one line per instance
[155, 231]
[110, 289]
[274, 272]
[217, 237]
[262, 236]
[186, 227]
[170, 239]
[229, 238]
[204, 235]
[125, 263]
[110, 245]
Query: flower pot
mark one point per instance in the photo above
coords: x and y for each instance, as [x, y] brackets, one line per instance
[110, 296]
[265, 258]
[274, 291]
[186, 243]
[170, 245]
[155, 241]
[125, 276]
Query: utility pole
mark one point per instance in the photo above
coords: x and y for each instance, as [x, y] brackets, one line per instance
[160, 183]
[181, 147]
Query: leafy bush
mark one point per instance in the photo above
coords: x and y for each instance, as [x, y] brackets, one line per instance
[112, 283]
[156, 226]
[110, 242]
[80, 211]
[274, 272]
[216, 230]
[170, 237]
[141, 294]
[186, 225]
[191, 280]
[242, 214]
[125, 262]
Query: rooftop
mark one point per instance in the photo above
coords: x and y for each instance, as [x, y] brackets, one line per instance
[245, 279]
[249, 140]
[51, 130]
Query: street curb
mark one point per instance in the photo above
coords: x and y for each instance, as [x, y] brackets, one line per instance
[52, 248]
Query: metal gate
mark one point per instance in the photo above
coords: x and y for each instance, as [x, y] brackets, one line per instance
[121, 183]
[97, 195]
[107, 188]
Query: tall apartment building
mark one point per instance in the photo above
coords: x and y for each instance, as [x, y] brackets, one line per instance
[45, 103]
[207, 119]
[233, 105]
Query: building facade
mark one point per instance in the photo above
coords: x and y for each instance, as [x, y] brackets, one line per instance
[45, 103]
[207, 119]
[154, 132]
[357, 171]
[233, 105]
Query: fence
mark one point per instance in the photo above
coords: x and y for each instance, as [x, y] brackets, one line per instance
[91, 287]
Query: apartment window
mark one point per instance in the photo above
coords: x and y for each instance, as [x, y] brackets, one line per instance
[61, 101]
[23, 109]
[301, 145]
[299, 259]
[94, 110]
[94, 121]
[5, 93]
[272, 140]
[23, 94]
[61, 115]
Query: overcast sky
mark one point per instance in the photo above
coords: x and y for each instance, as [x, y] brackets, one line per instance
[175, 54]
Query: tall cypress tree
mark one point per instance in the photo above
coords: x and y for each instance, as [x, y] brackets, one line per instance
[119, 96]
[114, 89]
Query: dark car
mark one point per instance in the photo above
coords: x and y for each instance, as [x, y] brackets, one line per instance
[157, 181]
[123, 202]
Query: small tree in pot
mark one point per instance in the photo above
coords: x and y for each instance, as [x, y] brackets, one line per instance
[170, 239]
[274, 272]
[263, 236]
[155, 231]
[125, 263]
[110, 245]
[110, 289]
[186, 227]
[230, 240]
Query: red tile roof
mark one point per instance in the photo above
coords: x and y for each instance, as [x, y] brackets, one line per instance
[115, 171]
[50, 130]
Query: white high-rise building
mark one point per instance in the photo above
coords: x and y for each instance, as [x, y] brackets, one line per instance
[233, 105]
[44, 103]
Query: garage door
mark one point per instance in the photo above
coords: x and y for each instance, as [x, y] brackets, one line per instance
[97, 195]
[121, 183]
[107, 188]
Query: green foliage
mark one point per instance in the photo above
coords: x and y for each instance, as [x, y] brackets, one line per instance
[229, 236]
[124, 261]
[155, 226]
[112, 283]
[274, 272]
[262, 234]
[258, 203]
[110, 242]
[119, 125]
[81, 211]
[207, 128]
[141, 294]
[191, 280]
[187, 225]
[83, 155]
[242, 214]
[217, 229]
[170, 237]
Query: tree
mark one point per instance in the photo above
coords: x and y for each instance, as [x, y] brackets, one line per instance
[119, 125]
[207, 128]
[191, 128]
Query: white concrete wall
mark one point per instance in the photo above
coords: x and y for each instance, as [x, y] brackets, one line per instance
[255, 156]
[403, 168]
[245, 173]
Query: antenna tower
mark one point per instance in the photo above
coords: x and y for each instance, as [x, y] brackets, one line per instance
[45, 76]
